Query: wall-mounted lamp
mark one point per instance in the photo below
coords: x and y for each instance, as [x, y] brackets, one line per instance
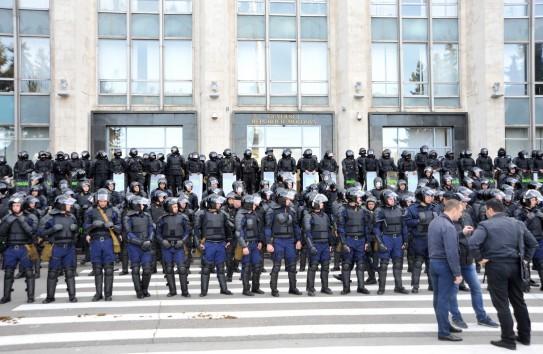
[214, 89]
[214, 116]
[496, 89]
[358, 116]
[358, 90]
[63, 86]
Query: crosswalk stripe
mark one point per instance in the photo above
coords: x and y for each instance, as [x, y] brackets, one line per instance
[229, 332]
[255, 300]
[204, 315]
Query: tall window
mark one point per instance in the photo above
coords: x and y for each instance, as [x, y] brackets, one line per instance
[523, 74]
[425, 32]
[282, 52]
[25, 75]
[145, 52]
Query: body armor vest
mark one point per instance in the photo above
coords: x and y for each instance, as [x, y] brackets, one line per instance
[484, 163]
[140, 226]
[329, 165]
[172, 229]
[64, 236]
[393, 219]
[251, 227]
[350, 166]
[501, 162]
[321, 225]
[213, 227]
[371, 164]
[117, 165]
[425, 217]
[354, 225]
[101, 231]
[227, 165]
[212, 167]
[282, 224]
[101, 167]
[269, 165]
[534, 224]
[286, 165]
[175, 164]
[17, 235]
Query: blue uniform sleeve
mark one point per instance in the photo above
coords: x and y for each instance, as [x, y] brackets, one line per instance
[128, 230]
[405, 231]
[87, 224]
[159, 226]
[270, 215]
[412, 217]
[377, 229]
[342, 222]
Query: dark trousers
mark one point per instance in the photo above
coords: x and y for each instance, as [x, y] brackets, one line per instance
[505, 286]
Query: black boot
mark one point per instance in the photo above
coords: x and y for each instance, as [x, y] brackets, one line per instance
[124, 258]
[183, 280]
[30, 285]
[245, 276]
[273, 278]
[204, 283]
[146, 279]
[346, 278]
[325, 270]
[360, 269]
[87, 256]
[136, 280]
[303, 258]
[311, 272]
[37, 267]
[371, 272]
[98, 282]
[222, 280]
[108, 281]
[256, 279]
[70, 284]
[415, 275]
[337, 258]
[170, 278]
[291, 269]
[397, 267]
[8, 283]
[52, 279]
[382, 276]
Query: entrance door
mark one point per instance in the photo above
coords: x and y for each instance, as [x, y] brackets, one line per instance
[296, 138]
[146, 139]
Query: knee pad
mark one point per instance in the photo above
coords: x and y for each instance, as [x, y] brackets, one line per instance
[291, 267]
[384, 262]
[108, 271]
[182, 269]
[69, 273]
[135, 270]
[168, 268]
[257, 268]
[347, 266]
[276, 267]
[313, 266]
[220, 267]
[361, 264]
[325, 266]
[147, 270]
[397, 263]
[53, 274]
[206, 268]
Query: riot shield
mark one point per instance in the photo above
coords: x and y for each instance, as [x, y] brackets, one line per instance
[309, 179]
[197, 184]
[118, 179]
[412, 181]
[370, 177]
[269, 176]
[392, 180]
[227, 180]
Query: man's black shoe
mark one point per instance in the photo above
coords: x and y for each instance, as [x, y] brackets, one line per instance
[502, 344]
[450, 338]
[523, 341]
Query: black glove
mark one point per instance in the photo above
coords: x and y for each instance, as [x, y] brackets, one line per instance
[97, 223]
[108, 225]
[345, 248]
[313, 250]
[381, 248]
[178, 245]
[74, 227]
[166, 244]
[146, 246]
[58, 227]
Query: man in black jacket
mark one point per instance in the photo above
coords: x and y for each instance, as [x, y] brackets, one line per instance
[495, 245]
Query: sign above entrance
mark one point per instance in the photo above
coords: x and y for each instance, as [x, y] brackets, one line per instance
[283, 119]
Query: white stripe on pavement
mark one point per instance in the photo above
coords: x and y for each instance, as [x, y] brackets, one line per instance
[263, 299]
[141, 316]
[229, 332]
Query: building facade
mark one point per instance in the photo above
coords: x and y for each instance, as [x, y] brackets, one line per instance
[322, 74]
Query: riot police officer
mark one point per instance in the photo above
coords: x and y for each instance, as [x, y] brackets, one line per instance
[282, 227]
[43, 165]
[212, 223]
[61, 167]
[406, 165]
[449, 165]
[318, 236]
[349, 167]
[361, 164]
[328, 163]
[101, 169]
[23, 167]
[103, 224]
[134, 167]
[60, 228]
[286, 163]
[139, 230]
[175, 165]
[18, 238]
[249, 172]
[484, 162]
[352, 229]
[269, 164]
[420, 160]
[248, 230]
[502, 160]
[391, 229]
[386, 164]
[212, 166]
[466, 163]
[418, 217]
